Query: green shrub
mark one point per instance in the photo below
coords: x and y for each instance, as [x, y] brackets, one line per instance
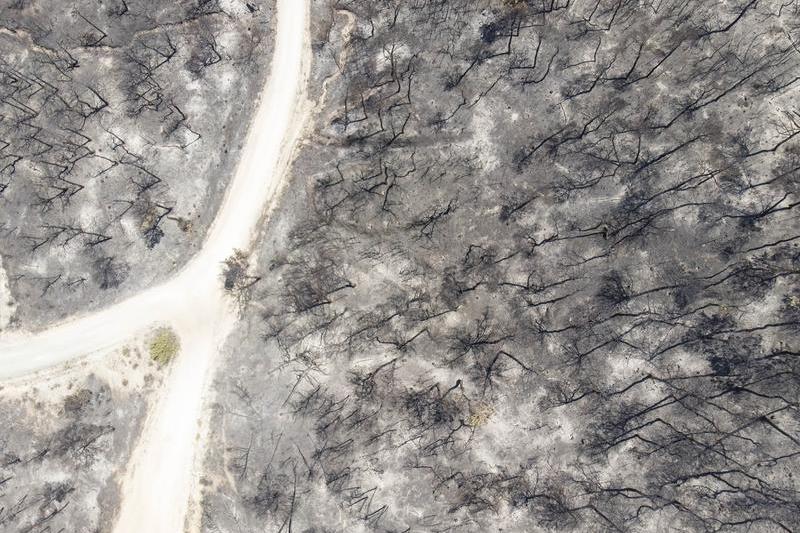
[164, 346]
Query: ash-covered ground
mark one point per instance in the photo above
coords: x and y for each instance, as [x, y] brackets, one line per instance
[120, 127]
[537, 270]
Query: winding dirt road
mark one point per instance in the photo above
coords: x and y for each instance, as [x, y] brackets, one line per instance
[161, 477]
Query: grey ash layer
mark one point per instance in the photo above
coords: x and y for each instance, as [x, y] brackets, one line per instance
[538, 272]
[120, 125]
[536, 269]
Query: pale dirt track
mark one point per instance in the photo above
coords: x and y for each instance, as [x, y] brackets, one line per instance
[161, 478]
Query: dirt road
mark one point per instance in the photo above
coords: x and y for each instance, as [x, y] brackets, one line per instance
[161, 478]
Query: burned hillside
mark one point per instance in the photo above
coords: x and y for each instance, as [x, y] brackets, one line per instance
[538, 271]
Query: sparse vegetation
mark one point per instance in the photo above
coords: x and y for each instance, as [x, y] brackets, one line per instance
[164, 346]
[480, 415]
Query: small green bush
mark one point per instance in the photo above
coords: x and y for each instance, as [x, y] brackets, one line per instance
[164, 346]
[480, 415]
